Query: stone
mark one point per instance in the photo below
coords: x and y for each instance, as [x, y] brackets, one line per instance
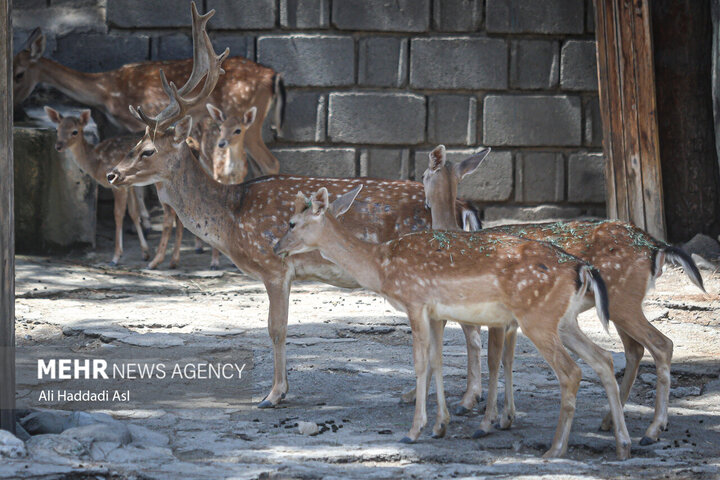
[593, 122]
[55, 448]
[452, 119]
[503, 213]
[385, 163]
[680, 392]
[243, 14]
[589, 16]
[157, 340]
[531, 16]
[145, 436]
[133, 455]
[100, 450]
[316, 161]
[143, 14]
[701, 263]
[305, 117]
[307, 428]
[309, 60]
[382, 61]
[61, 19]
[239, 45]
[377, 118]
[100, 432]
[578, 65]
[649, 378]
[540, 177]
[171, 47]
[305, 13]
[25, 4]
[532, 120]
[534, 64]
[108, 53]
[45, 421]
[381, 15]
[703, 245]
[458, 63]
[457, 15]
[492, 181]
[586, 177]
[11, 446]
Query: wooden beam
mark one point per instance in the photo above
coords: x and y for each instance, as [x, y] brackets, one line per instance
[7, 226]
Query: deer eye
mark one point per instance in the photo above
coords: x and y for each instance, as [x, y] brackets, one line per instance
[237, 131]
[147, 153]
[292, 224]
[74, 132]
[19, 75]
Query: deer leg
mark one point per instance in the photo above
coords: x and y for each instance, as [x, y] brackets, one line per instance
[422, 336]
[473, 392]
[175, 258]
[496, 338]
[198, 246]
[508, 415]
[144, 214]
[279, 295]
[261, 155]
[601, 361]
[633, 354]
[119, 207]
[215, 261]
[409, 396]
[135, 217]
[436, 344]
[168, 218]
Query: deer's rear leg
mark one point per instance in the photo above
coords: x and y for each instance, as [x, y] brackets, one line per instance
[508, 414]
[277, 327]
[496, 339]
[215, 262]
[473, 392]
[422, 337]
[198, 246]
[120, 196]
[436, 344]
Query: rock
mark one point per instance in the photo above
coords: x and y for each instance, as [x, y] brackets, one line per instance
[100, 450]
[81, 419]
[649, 378]
[158, 340]
[57, 447]
[703, 245]
[680, 392]
[145, 436]
[21, 433]
[45, 422]
[100, 432]
[11, 446]
[135, 455]
[308, 428]
[702, 263]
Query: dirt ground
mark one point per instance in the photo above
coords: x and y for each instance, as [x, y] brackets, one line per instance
[349, 359]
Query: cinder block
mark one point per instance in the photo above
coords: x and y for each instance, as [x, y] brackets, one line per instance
[532, 16]
[534, 64]
[578, 65]
[240, 45]
[317, 162]
[492, 181]
[377, 118]
[532, 120]
[171, 47]
[589, 16]
[540, 177]
[242, 14]
[503, 214]
[305, 116]
[586, 177]
[309, 60]
[382, 61]
[385, 163]
[305, 13]
[108, 52]
[457, 15]
[458, 63]
[144, 14]
[593, 123]
[452, 119]
[381, 15]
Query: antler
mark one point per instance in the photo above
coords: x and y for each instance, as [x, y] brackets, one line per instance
[205, 65]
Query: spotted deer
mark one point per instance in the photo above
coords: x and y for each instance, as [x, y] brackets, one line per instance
[477, 278]
[629, 261]
[244, 221]
[245, 85]
[95, 161]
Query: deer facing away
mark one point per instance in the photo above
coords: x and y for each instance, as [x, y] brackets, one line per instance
[629, 261]
[476, 278]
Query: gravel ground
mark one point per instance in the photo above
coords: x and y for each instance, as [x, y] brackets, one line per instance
[349, 359]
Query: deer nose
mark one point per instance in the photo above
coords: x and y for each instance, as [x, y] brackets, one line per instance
[112, 176]
[222, 143]
[59, 146]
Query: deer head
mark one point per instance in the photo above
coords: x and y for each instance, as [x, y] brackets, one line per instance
[310, 219]
[150, 161]
[69, 129]
[228, 152]
[25, 75]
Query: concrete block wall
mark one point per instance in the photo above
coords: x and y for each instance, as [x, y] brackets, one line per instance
[374, 85]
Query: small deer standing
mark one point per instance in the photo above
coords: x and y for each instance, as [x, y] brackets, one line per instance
[476, 278]
[95, 161]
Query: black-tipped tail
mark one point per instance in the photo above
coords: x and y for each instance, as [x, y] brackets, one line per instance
[680, 257]
[590, 275]
[280, 102]
[470, 218]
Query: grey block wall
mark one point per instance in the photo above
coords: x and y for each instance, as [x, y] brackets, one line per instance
[374, 85]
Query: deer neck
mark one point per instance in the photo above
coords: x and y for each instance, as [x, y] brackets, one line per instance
[443, 216]
[82, 153]
[86, 88]
[360, 259]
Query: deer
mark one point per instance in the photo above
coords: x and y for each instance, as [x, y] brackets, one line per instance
[243, 221]
[477, 278]
[95, 161]
[628, 259]
[246, 84]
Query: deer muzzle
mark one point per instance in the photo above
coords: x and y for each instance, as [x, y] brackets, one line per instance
[113, 176]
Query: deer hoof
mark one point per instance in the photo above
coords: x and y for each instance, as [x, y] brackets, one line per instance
[460, 410]
[407, 440]
[480, 433]
[266, 404]
[112, 263]
[214, 267]
[146, 255]
[199, 250]
[645, 441]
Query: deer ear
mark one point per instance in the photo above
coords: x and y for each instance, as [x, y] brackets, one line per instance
[183, 129]
[35, 45]
[249, 116]
[85, 117]
[301, 202]
[343, 204]
[320, 201]
[215, 113]
[53, 114]
[469, 165]
[437, 158]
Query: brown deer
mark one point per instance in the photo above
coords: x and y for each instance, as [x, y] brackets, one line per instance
[476, 278]
[629, 261]
[245, 85]
[95, 161]
[244, 221]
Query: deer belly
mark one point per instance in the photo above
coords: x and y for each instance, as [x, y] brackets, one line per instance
[325, 272]
[485, 313]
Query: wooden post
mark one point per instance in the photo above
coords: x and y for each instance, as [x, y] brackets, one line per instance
[629, 114]
[7, 227]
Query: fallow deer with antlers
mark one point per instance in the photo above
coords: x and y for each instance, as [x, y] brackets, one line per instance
[629, 261]
[244, 221]
[476, 278]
